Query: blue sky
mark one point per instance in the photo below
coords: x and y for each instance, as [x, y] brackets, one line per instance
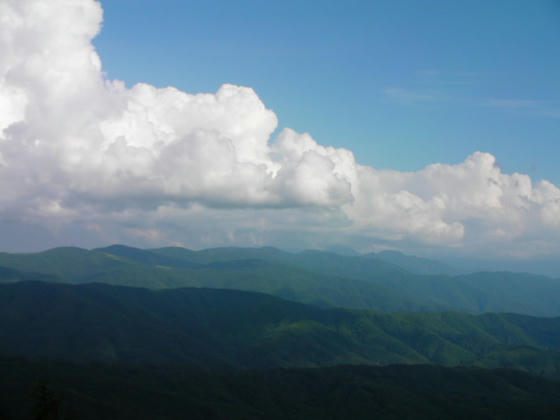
[401, 84]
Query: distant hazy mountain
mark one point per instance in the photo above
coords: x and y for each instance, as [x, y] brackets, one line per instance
[543, 266]
[342, 250]
[473, 293]
[414, 264]
[317, 277]
[265, 270]
[206, 327]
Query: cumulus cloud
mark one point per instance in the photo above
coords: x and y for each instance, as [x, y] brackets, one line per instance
[82, 153]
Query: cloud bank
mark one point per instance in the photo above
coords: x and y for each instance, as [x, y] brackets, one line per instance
[88, 157]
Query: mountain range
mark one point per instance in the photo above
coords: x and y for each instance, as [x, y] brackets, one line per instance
[210, 327]
[314, 277]
[263, 333]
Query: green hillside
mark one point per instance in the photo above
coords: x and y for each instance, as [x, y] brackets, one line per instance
[473, 293]
[97, 322]
[9, 275]
[314, 277]
[127, 266]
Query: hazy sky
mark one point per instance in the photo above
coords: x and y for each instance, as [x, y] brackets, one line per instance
[431, 127]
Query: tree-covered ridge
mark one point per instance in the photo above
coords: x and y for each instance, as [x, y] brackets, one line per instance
[316, 277]
[208, 327]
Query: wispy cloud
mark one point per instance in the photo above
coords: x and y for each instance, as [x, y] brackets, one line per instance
[528, 106]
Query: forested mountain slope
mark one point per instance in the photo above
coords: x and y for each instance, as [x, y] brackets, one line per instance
[97, 322]
[315, 277]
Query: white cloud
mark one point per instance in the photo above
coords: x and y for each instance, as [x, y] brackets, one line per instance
[79, 153]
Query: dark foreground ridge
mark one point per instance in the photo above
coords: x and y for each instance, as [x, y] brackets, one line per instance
[69, 391]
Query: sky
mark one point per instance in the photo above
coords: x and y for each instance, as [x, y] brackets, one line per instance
[427, 127]
[401, 84]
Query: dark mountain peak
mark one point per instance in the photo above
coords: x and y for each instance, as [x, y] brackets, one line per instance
[116, 247]
[63, 250]
[123, 251]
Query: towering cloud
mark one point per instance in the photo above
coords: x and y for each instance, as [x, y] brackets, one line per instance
[163, 165]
